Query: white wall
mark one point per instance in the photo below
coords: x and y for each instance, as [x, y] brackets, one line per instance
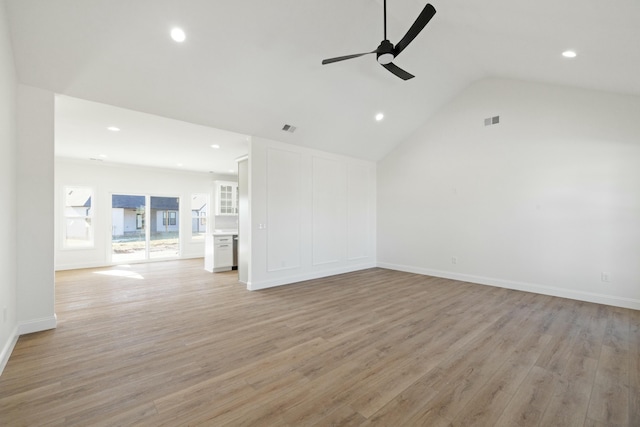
[312, 214]
[244, 222]
[225, 222]
[106, 179]
[8, 198]
[35, 294]
[545, 201]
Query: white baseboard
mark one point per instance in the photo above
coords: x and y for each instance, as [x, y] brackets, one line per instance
[8, 349]
[37, 325]
[255, 286]
[23, 328]
[521, 286]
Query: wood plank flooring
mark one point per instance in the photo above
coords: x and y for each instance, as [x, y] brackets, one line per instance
[168, 344]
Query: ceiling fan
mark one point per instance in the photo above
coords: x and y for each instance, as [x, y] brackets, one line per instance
[387, 52]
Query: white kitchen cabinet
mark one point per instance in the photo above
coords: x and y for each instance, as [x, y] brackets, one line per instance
[223, 252]
[226, 198]
[218, 254]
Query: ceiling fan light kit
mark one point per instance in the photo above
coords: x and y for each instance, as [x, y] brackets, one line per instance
[386, 51]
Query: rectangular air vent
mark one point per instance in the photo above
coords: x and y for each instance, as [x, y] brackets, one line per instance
[289, 128]
[492, 120]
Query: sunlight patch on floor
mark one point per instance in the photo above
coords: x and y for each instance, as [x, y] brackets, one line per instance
[120, 273]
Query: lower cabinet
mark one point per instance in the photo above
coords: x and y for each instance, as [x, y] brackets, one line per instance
[218, 254]
[223, 252]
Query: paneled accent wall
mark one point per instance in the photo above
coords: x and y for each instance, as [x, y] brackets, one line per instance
[284, 209]
[360, 212]
[312, 214]
[329, 210]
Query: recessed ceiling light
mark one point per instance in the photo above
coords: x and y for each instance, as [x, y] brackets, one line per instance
[569, 54]
[215, 146]
[379, 117]
[104, 156]
[178, 35]
[179, 165]
[231, 170]
[113, 129]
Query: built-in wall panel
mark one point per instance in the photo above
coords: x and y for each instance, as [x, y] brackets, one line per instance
[329, 210]
[284, 209]
[303, 203]
[360, 205]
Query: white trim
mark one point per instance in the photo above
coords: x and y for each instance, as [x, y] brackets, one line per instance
[8, 349]
[252, 286]
[21, 329]
[37, 325]
[521, 286]
[61, 242]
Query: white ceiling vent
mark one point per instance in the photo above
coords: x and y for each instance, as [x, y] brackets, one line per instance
[289, 128]
[492, 120]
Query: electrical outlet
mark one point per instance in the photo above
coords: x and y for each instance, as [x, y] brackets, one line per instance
[605, 277]
[454, 260]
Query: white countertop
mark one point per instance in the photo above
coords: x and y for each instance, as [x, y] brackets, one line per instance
[224, 232]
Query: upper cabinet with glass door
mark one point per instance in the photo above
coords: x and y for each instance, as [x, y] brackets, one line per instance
[226, 198]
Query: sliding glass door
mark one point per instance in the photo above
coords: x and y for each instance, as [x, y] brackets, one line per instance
[128, 231]
[144, 227]
[165, 227]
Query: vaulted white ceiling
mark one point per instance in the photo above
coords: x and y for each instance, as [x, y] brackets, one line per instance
[251, 66]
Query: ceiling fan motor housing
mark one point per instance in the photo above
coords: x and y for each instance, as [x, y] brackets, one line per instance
[384, 53]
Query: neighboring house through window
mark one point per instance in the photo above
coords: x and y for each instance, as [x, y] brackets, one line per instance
[172, 217]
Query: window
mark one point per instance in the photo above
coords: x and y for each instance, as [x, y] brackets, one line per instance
[128, 227]
[172, 218]
[164, 233]
[78, 214]
[199, 213]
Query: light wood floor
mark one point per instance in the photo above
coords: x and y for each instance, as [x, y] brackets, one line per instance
[168, 344]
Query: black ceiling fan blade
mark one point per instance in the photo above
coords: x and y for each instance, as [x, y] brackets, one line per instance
[421, 22]
[342, 58]
[398, 71]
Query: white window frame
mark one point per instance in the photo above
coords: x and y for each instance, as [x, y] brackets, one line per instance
[89, 215]
[206, 218]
